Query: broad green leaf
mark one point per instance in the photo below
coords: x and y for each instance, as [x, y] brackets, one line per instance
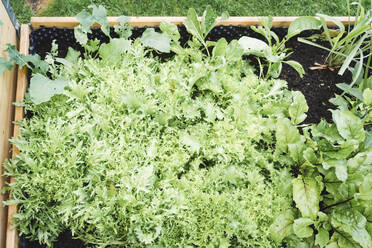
[342, 241]
[86, 21]
[193, 26]
[310, 156]
[287, 134]
[333, 163]
[113, 50]
[365, 190]
[351, 221]
[99, 16]
[4, 64]
[253, 46]
[266, 21]
[327, 131]
[282, 226]
[367, 83]
[306, 194]
[350, 90]
[170, 29]
[158, 41]
[210, 20]
[1, 23]
[42, 88]
[322, 237]
[220, 48]
[348, 125]
[368, 142]
[234, 52]
[298, 107]
[341, 172]
[367, 96]
[301, 227]
[297, 66]
[303, 23]
[332, 245]
[340, 102]
[296, 151]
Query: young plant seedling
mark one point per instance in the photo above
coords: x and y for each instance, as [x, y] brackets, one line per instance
[273, 51]
[347, 46]
[200, 28]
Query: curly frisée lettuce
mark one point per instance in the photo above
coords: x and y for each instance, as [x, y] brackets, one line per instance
[126, 149]
[136, 152]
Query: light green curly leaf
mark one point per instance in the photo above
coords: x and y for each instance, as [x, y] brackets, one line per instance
[190, 142]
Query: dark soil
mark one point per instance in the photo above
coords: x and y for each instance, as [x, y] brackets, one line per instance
[318, 86]
[65, 240]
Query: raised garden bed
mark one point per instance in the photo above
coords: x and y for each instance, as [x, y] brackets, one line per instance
[318, 86]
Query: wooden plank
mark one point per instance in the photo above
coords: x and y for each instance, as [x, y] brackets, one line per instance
[12, 234]
[7, 93]
[70, 22]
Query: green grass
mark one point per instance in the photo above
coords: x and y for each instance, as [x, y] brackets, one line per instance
[22, 10]
[180, 7]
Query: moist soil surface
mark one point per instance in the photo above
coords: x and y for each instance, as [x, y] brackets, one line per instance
[318, 86]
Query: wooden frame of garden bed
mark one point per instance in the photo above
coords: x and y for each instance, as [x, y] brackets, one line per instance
[8, 80]
[71, 22]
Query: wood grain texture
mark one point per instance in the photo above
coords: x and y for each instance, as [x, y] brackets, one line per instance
[70, 22]
[12, 234]
[7, 93]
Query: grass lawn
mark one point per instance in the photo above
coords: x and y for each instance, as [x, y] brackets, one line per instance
[180, 7]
